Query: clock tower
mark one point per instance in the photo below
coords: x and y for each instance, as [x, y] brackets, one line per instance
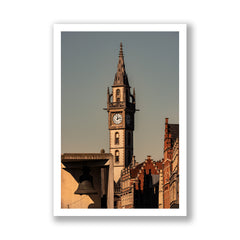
[121, 110]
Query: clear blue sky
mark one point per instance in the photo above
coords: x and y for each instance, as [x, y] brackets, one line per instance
[89, 63]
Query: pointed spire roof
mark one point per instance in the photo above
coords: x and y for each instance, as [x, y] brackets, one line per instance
[121, 51]
[121, 76]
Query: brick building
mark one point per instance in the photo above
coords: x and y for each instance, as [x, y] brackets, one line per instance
[140, 184]
[154, 184]
[171, 166]
[174, 178]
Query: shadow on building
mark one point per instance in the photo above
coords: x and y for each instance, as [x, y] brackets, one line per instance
[148, 197]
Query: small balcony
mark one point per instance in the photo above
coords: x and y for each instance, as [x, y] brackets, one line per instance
[121, 105]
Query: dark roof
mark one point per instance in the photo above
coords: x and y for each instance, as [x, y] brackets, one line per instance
[174, 130]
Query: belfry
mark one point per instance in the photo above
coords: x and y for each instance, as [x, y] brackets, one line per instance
[121, 110]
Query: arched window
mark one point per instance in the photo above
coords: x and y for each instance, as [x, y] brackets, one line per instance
[116, 156]
[116, 138]
[118, 95]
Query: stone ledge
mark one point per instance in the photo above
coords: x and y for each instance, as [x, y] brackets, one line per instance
[85, 156]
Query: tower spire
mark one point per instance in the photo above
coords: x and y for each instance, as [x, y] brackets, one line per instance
[121, 76]
[121, 51]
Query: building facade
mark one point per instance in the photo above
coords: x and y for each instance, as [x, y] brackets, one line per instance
[140, 184]
[171, 165]
[154, 184]
[174, 178]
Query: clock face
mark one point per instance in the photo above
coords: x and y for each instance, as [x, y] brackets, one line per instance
[117, 118]
[128, 119]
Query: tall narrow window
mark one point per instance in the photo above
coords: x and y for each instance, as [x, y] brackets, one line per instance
[117, 156]
[118, 95]
[116, 138]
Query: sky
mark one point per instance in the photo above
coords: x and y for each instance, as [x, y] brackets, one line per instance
[88, 65]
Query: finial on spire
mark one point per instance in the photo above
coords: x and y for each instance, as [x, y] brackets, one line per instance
[121, 51]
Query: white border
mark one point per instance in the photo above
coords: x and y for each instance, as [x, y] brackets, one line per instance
[182, 29]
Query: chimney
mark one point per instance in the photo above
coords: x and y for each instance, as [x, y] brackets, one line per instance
[166, 126]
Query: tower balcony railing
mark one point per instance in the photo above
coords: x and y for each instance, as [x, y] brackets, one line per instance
[121, 104]
[117, 104]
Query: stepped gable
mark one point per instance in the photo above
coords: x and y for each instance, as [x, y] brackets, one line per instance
[159, 165]
[134, 171]
[146, 165]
